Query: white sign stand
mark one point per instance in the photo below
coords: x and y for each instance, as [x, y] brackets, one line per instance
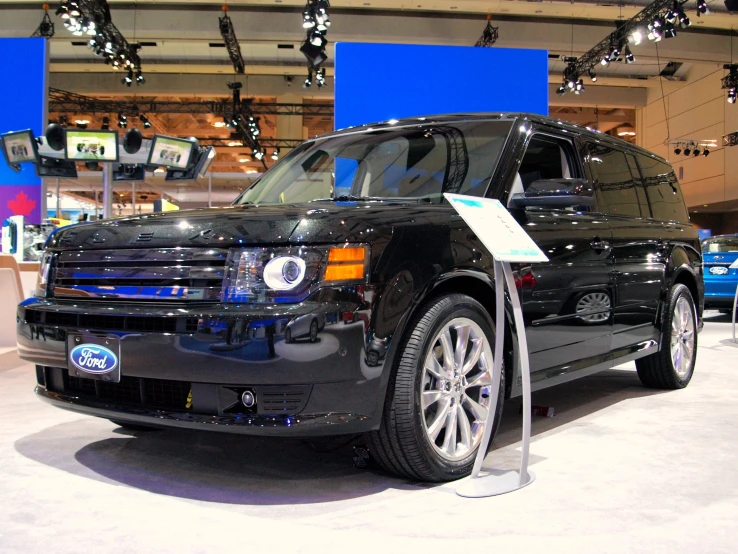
[508, 242]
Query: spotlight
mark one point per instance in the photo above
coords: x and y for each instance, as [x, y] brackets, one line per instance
[561, 90]
[696, 152]
[579, 87]
[687, 151]
[128, 79]
[63, 12]
[63, 120]
[317, 39]
[671, 15]
[320, 77]
[706, 152]
[275, 155]
[629, 57]
[308, 80]
[308, 22]
[655, 30]
[701, 7]
[122, 121]
[140, 78]
[606, 60]
[732, 96]
[105, 123]
[636, 37]
[669, 30]
[592, 76]
[258, 154]
[571, 84]
[677, 150]
[145, 121]
[684, 21]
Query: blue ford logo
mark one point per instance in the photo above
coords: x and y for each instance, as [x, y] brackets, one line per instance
[93, 358]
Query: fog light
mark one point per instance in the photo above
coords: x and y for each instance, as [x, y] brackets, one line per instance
[248, 399]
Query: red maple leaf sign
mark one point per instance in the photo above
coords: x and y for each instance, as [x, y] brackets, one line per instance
[21, 204]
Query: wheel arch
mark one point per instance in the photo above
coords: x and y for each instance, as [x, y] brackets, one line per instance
[477, 285]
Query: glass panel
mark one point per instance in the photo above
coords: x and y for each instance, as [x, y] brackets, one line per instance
[419, 162]
[662, 188]
[613, 180]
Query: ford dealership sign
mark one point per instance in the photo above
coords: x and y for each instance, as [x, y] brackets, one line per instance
[93, 358]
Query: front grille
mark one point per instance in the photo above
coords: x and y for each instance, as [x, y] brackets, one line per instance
[174, 274]
[151, 324]
[139, 391]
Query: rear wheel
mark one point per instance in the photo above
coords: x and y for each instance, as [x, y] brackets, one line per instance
[437, 401]
[288, 336]
[314, 331]
[673, 366]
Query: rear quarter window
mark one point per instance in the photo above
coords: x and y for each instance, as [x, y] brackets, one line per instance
[663, 190]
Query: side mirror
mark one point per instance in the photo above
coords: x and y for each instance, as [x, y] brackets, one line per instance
[555, 193]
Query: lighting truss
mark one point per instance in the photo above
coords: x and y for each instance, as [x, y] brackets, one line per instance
[231, 42]
[91, 18]
[264, 142]
[730, 81]
[615, 46]
[46, 27]
[61, 101]
[489, 35]
[731, 139]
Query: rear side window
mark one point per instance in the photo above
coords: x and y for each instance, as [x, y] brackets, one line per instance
[613, 181]
[663, 190]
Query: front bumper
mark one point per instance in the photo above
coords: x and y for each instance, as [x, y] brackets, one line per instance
[187, 366]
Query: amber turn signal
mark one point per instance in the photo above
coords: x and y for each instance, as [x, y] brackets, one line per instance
[344, 272]
[346, 255]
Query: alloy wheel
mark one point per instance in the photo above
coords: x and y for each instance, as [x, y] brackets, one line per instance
[682, 337]
[455, 388]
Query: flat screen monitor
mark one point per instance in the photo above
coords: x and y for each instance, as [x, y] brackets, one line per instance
[172, 153]
[19, 147]
[91, 146]
[56, 167]
[205, 157]
[129, 172]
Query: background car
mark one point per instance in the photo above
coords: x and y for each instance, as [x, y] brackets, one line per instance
[720, 260]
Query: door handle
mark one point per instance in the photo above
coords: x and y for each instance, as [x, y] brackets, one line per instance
[599, 245]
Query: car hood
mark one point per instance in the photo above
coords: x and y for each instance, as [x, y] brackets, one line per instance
[314, 222]
[719, 257]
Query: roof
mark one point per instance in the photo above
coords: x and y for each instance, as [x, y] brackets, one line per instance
[487, 116]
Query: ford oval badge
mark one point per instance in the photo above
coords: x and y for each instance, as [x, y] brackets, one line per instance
[93, 358]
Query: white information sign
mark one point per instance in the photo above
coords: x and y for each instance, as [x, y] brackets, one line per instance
[506, 240]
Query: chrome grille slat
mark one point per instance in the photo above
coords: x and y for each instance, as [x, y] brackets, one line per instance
[174, 274]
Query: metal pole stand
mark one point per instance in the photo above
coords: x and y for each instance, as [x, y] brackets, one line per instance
[494, 483]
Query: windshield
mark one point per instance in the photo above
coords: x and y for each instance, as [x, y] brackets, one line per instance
[420, 162]
[725, 244]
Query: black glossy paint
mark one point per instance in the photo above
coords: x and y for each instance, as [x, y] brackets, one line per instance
[219, 350]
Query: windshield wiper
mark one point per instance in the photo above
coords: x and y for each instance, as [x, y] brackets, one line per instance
[348, 198]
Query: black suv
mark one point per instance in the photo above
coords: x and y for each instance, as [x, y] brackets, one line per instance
[340, 294]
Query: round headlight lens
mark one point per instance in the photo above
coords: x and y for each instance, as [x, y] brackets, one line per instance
[291, 271]
[284, 272]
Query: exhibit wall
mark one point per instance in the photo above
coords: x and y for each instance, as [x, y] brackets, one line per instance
[378, 82]
[23, 104]
[698, 110]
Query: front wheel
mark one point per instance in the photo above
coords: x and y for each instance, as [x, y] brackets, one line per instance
[438, 398]
[673, 366]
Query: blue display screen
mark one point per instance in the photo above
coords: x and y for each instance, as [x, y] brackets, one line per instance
[22, 106]
[378, 82]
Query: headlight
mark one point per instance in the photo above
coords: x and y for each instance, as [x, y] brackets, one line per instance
[291, 274]
[43, 274]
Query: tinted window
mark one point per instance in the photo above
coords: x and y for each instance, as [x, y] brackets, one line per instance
[640, 191]
[663, 190]
[545, 158]
[613, 181]
[406, 162]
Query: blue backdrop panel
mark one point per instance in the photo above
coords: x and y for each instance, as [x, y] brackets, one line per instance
[377, 82]
[22, 106]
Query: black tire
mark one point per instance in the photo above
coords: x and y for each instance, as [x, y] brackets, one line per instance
[134, 426]
[314, 331]
[288, 336]
[401, 445]
[657, 370]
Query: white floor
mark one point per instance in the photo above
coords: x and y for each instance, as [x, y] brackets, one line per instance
[619, 468]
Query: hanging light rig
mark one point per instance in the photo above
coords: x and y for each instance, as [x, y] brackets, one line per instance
[489, 35]
[229, 38]
[315, 21]
[91, 18]
[659, 20]
[46, 27]
[730, 82]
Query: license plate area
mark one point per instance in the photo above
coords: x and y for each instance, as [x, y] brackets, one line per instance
[94, 357]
